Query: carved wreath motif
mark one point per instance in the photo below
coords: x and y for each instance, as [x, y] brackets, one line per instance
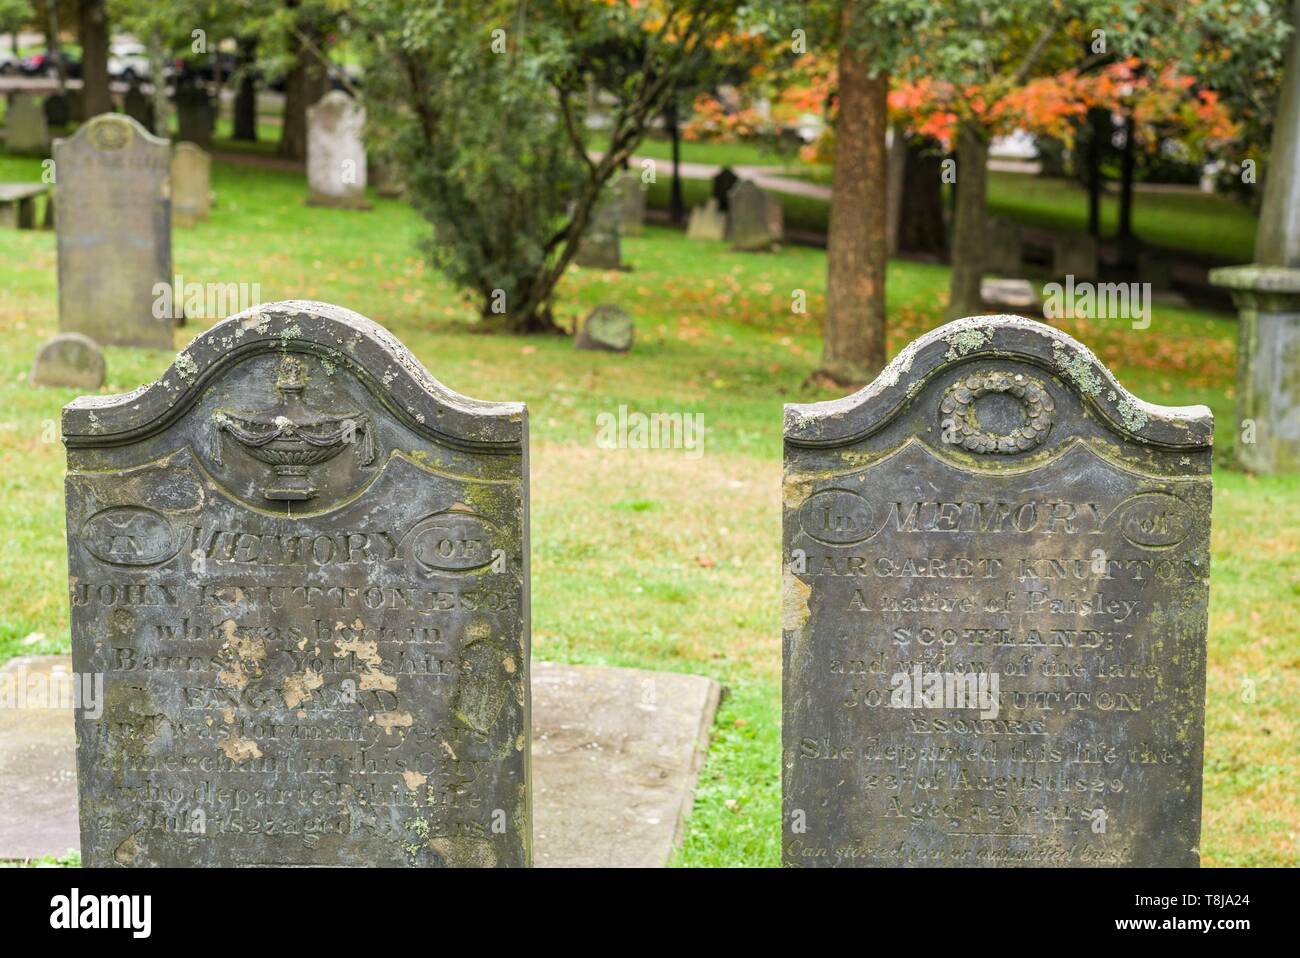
[110, 134]
[961, 426]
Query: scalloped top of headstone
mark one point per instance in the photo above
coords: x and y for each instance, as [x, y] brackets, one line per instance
[842, 422]
[111, 133]
[337, 338]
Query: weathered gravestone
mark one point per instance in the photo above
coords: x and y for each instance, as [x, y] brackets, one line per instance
[336, 155]
[191, 184]
[632, 196]
[139, 107]
[1074, 254]
[113, 216]
[68, 359]
[196, 116]
[750, 218]
[57, 111]
[26, 130]
[707, 222]
[599, 247]
[608, 327]
[1003, 249]
[301, 565]
[996, 572]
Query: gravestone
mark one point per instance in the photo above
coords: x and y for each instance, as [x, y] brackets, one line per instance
[300, 564]
[775, 217]
[1074, 254]
[599, 247]
[69, 359]
[57, 111]
[113, 218]
[996, 574]
[1003, 249]
[632, 195]
[722, 185]
[707, 222]
[26, 130]
[191, 184]
[139, 107]
[608, 327]
[750, 218]
[195, 115]
[336, 156]
[1155, 267]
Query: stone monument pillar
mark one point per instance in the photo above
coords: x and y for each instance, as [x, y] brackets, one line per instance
[1267, 294]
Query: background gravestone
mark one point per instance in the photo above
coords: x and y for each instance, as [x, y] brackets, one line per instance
[139, 107]
[1074, 254]
[607, 327]
[632, 195]
[995, 505]
[26, 130]
[301, 565]
[191, 184]
[57, 111]
[599, 247]
[336, 156]
[707, 222]
[750, 219]
[195, 115]
[113, 218]
[69, 359]
[1003, 250]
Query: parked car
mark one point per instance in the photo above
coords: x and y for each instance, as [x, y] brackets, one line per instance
[45, 64]
[128, 61]
[9, 63]
[199, 67]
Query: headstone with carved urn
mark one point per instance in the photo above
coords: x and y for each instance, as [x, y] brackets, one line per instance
[113, 218]
[301, 566]
[996, 575]
[336, 154]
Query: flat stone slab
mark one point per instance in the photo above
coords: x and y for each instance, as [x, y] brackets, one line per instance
[38, 768]
[1010, 293]
[615, 757]
[616, 753]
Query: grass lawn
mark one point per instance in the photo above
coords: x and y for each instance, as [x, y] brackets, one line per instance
[646, 558]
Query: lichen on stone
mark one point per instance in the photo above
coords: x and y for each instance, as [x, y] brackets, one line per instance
[1132, 415]
[966, 341]
[1077, 369]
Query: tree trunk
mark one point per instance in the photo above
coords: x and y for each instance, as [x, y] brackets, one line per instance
[853, 348]
[1098, 138]
[921, 227]
[307, 82]
[52, 44]
[1127, 241]
[895, 185]
[245, 118]
[676, 203]
[162, 108]
[969, 232]
[92, 27]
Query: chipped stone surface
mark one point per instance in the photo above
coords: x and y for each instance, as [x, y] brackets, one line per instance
[302, 569]
[996, 511]
[113, 217]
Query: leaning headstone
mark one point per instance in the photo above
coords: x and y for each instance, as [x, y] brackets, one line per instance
[632, 195]
[607, 327]
[300, 565]
[57, 111]
[722, 185]
[1003, 249]
[26, 130]
[69, 359]
[996, 572]
[113, 217]
[139, 107]
[196, 116]
[336, 155]
[191, 184]
[599, 247]
[1267, 297]
[707, 222]
[1074, 254]
[750, 217]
